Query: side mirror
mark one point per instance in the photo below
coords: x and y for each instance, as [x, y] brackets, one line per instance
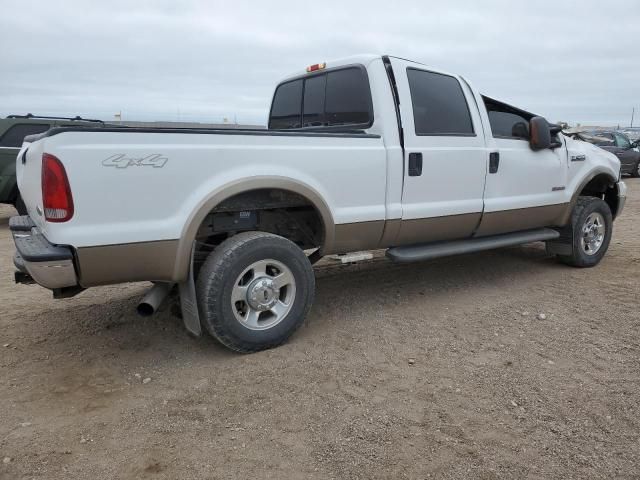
[540, 134]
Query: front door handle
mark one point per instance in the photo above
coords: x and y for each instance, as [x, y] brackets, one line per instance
[415, 164]
[494, 162]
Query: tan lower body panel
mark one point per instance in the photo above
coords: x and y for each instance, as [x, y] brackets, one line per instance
[391, 230]
[129, 262]
[434, 229]
[395, 232]
[380, 234]
[505, 221]
[147, 261]
[350, 237]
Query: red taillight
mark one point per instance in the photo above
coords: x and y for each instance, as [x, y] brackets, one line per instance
[56, 192]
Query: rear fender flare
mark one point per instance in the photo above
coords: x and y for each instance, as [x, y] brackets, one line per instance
[189, 231]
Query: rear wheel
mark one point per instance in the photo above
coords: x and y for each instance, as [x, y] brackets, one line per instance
[635, 173]
[592, 226]
[254, 291]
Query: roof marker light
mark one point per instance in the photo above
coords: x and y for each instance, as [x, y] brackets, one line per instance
[316, 67]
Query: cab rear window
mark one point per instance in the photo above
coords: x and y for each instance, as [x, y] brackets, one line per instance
[287, 102]
[336, 98]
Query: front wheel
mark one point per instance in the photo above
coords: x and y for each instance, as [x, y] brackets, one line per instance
[592, 226]
[254, 291]
[635, 173]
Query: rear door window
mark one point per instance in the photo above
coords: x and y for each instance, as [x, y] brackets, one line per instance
[331, 99]
[439, 105]
[14, 136]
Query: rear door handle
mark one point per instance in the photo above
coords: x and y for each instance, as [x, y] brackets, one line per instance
[494, 162]
[415, 164]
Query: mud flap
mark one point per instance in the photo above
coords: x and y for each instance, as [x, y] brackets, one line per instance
[189, 302]
[563, 245]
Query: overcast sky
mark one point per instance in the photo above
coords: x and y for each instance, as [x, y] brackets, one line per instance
[577, 61]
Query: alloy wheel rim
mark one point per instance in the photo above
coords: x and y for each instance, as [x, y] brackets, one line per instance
[593, 233]
[263, 294]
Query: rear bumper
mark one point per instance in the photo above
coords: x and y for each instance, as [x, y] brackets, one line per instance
[49, 265]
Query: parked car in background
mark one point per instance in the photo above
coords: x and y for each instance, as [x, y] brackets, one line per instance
[620, 145]
[632, 132]
[13, 129]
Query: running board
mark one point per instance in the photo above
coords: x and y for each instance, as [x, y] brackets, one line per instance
[416, 253]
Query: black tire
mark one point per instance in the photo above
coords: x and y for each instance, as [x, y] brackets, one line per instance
[217, 279]
[20, 206]
[584, 207]
[635, 173]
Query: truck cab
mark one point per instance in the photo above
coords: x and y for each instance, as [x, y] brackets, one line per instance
[459, 164]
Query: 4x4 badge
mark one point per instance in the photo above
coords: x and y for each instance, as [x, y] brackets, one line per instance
[120, 160]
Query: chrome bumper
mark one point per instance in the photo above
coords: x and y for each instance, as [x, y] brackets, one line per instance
[49, 265]
[621, 187]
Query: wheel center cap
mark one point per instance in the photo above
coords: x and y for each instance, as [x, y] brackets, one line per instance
[262, 294]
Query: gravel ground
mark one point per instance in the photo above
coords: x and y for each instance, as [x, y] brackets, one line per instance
[443, 369]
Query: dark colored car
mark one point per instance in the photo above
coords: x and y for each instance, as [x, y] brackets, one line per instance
[620, 145]
[13, 129]
[632, 132]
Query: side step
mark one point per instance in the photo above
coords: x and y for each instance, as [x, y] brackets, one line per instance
[416, 253]
[351, 257]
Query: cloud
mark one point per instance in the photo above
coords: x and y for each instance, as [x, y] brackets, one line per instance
[205, 60]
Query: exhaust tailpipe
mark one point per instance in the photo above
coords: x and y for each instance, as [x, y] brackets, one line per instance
[154, 298]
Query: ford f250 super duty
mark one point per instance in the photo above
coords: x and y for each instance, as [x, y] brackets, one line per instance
[369, 152]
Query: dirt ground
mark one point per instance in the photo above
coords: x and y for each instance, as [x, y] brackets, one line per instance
[90, 390]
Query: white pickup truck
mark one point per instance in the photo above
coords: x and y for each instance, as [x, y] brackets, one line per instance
[364, 153]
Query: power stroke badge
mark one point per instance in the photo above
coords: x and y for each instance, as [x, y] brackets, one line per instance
[120, 160]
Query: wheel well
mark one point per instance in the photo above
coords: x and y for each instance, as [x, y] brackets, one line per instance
[272, 210]
[602, 186]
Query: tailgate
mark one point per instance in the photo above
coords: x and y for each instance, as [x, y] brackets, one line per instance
[28, 174]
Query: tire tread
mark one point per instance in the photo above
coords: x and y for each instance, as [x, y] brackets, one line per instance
[212, 276]
[577, 258]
